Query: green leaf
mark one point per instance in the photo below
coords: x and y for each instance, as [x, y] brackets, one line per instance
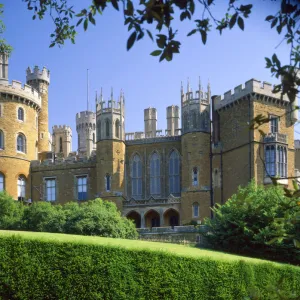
[156, 52]
[192, 32]
[269, 18]
[85, 24]
[52, 45]
[274, 22]
[79, 22]
[203, 36]
[91, 19]
[115, 4]
[131, 40]
[233, 20]
[150, 34]
[241, 23]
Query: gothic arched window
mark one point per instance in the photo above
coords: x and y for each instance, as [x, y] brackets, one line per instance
[93, 137]
[60, 145]
[21, 143]
[117, 130]
[20, 114]
[136, 176]
[174, 175]
[154, 174]
[107, 128]
[194, 119]
[78, 141]
[1, 139]
[21, 186]
[185, 121]
[1, 182]
[98, 130]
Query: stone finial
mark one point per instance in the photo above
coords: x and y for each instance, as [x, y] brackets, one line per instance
[181, 89]
[200, 87]
[112, 94]
[188, 85]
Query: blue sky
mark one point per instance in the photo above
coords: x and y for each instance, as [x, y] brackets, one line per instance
[226, 61]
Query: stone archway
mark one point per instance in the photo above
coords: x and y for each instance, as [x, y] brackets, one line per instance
[171, 217]
[152, 219]
[135, 217]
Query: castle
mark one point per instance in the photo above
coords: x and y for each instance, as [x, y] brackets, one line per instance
[155, 179]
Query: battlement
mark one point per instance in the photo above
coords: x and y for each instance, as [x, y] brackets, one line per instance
[240, 91]
[26, 92]
[85, 117]
[61, 128]
[38, 74]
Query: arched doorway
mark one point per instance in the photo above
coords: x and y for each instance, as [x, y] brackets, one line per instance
[135, 217]
[171, 217]
[152, 219]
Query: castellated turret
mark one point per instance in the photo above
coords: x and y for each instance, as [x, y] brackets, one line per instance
[150, 120]
[195, 109]
[86, 130]
[40, 80]
[110, 118]
[62, 140]
[172, 120]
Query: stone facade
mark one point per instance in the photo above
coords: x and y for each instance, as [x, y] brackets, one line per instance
[156, 179]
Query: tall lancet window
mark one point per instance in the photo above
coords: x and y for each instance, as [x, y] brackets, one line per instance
[154, 174]
[107, 128]
[194, 119]
[117, 130]
[98, 130]
[136, 176]
[185, 121]
[174, 176]
[60, 145]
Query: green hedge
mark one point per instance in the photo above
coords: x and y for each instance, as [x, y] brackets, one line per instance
[58, 266]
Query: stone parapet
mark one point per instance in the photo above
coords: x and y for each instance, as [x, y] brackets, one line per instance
[69, 163]
[25, 92]
[161, 139]
[61, 128]
[250, 86]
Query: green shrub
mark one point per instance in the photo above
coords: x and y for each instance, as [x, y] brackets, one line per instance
[95, 217]
[11, 212]
[98, 217]
[248, 221]
[56, 266]
[43, 216]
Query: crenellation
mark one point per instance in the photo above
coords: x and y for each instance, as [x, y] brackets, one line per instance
[251, 86]
[38, 74]
[26, 91]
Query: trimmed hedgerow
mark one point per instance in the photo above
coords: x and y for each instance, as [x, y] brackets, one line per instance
[57, 266]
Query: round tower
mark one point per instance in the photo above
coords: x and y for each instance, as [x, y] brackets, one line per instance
[40, 80]
[62, 140]
[19, 110]
[195, 147]
[111, 148]
[86, 131]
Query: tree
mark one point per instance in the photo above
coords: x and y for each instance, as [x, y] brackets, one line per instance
[249, 223]
[11, 212]
[162, 14]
